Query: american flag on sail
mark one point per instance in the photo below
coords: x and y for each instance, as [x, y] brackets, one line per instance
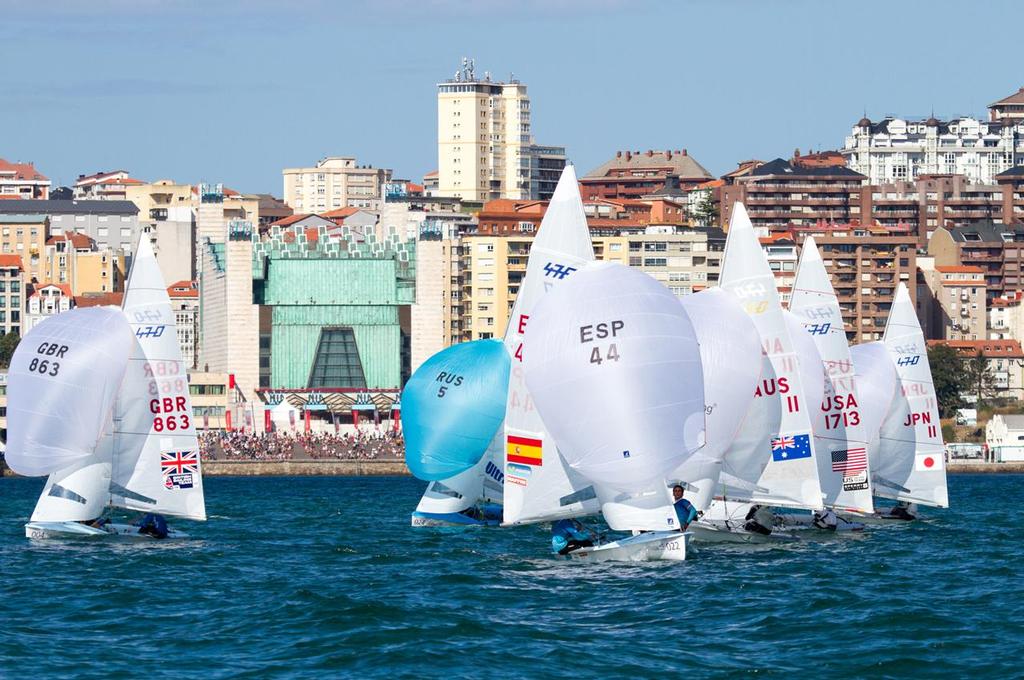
[850, 461]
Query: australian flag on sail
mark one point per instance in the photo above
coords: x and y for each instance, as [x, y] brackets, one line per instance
[179, 469]
[791, 447]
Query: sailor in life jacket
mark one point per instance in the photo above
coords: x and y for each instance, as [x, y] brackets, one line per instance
[760, 520]
[685, 511]
[568, 535]
[904, 510]
[825, 519]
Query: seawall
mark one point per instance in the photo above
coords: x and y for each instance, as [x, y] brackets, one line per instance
[356, 468]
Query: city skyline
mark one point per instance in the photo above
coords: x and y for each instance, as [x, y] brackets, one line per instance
[234, 92]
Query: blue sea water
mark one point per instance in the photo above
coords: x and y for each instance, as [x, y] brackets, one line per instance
[324, 577]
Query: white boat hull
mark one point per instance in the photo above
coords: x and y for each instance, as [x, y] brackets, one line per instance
[708, 532]
[49, 530]
[804, 522]
[645, 547]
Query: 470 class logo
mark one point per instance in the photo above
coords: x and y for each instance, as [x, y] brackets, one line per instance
[558, 271]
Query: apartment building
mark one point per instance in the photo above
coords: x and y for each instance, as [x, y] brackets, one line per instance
[12, 286]
[1003, 358]
[780, 249]
[45, 301]
[335, 182]
[865, 264]
[998, 249]
[635, 174]
[185, 305]
[25, 237]
[74, 259]
[22, 181]
[104, 186]
[492, 268]
[781, 194]
[485, 147]
[956, 308]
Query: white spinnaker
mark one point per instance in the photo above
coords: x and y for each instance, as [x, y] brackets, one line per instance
[878, 386]
[156, 466]
[614, 368]
[730, 351]
[912, 466]
[774, 451]
[79, 492]
[61, 387]
[547, 489]
[846, 485]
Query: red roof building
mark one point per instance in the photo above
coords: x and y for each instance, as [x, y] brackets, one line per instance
[22, 181]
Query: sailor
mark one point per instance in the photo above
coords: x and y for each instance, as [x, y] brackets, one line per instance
[97, 523]
[153, 525]
[684, 508]
[568, 535]
[904, 510]
[759, 520]
[825, 519]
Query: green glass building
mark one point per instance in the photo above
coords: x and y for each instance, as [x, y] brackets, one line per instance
[334, 307]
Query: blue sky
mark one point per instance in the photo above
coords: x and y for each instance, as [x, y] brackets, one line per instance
[236, 90]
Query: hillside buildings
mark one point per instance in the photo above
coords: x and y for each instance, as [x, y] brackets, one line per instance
[635, 174]
[335, 182]
[22, 181]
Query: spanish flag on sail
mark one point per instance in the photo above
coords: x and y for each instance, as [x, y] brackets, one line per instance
[523, 450]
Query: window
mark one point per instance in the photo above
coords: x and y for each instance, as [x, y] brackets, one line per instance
[103, 231]
[337, 361]
[126, 232]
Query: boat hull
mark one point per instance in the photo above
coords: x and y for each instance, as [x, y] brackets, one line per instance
[645, 547]
[707, 532]
[805, 522]
[59, 530]
[450, 519]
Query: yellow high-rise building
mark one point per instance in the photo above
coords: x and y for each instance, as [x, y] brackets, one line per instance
[73, 259]
[484, 144]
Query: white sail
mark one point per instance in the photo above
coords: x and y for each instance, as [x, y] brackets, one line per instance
[62, 384]
[730, 351]
[156, 466]
[911, 465]
[614, 368]
[539, 486]
[841, 446]
[774, 451]
[878, 386]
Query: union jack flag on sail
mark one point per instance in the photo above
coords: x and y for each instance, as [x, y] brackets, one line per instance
[178, 469]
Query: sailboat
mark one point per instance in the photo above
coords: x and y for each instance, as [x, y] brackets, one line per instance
[910, 466]
[730, 351]
[772, 460]
[453, 407]
[614, 368]
[841, 445]
[140, 450]
[538, 485]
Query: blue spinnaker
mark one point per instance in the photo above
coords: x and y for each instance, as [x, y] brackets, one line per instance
[452, 406]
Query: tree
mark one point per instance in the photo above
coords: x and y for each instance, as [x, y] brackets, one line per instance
[707, 212]
[948, 377]
[978, 377]
[8, 343]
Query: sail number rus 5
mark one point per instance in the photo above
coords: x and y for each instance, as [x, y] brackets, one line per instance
[48, 365]
[169, 413]
[601, 331]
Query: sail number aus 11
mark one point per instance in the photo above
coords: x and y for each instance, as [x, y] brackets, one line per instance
[601, 331]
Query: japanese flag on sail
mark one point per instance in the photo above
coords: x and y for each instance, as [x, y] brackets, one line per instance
[928, 461]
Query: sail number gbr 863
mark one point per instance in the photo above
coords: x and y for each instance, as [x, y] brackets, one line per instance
[602, 331]
[48, 365]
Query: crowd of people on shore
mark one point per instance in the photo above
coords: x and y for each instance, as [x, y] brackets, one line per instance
[276, 446]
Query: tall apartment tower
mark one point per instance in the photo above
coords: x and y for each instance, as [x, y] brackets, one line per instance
[484, 145]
